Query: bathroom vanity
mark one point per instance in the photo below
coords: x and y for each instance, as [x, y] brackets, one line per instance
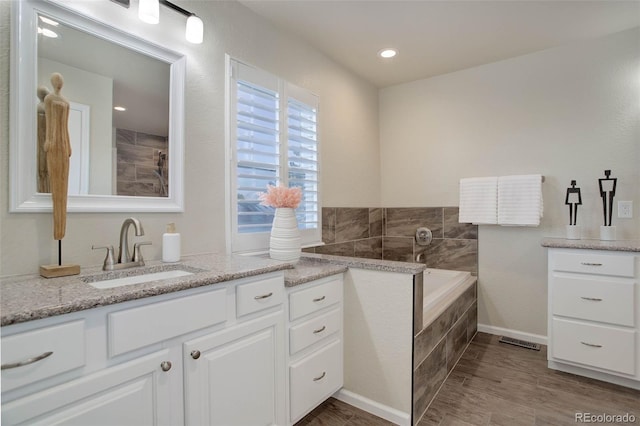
[235, 343]
[594, 309]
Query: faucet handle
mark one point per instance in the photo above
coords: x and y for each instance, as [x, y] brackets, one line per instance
[109, 261]
[137, 252]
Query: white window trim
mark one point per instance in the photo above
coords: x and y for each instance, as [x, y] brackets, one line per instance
[258, 243]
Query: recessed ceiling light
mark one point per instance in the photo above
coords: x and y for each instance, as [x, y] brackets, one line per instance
[387, 53]
[49, 21]
[47, 32]
[119, 108]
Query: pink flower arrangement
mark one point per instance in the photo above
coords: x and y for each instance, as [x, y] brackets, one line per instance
[281, 196]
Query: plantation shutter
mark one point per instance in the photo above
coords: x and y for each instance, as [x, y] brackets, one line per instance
[273, 140]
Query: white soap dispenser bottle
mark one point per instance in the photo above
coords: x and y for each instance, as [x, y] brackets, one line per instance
[171, 244]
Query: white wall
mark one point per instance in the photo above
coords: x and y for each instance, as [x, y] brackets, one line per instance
[568, 113]
[349, 132]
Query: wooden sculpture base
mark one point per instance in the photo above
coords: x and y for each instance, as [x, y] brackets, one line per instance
[55, 271]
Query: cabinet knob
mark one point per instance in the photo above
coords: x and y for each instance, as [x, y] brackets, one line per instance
[195, 354]
[165, 365]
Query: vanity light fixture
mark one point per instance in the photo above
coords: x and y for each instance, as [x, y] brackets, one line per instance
[387, 53]
[149, 11]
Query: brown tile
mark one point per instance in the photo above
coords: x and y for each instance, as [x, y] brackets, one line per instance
[457, 255]
[352, 224]
[375, 222]
[472, 321]
[456, 342]
[454, 229]
[328, 225]
[400, 249]
[427, 379]
[125, 136]
[152, 141]
[338, 249]
[428, 338]
[146, 174]
[139, 155]
[126, 171]
[370, 248]
[404, 221]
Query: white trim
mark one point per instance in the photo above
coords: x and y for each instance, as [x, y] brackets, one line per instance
[593, 374]
[370, 406]
[515, 334]
[23, 195]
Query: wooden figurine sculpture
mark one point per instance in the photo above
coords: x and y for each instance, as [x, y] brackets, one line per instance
[58, 150]
[43, 174]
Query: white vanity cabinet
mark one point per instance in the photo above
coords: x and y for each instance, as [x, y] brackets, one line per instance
[315, 344]
[134, 363]
[594, 314]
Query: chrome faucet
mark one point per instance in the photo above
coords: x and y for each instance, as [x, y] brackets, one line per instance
[125, 260]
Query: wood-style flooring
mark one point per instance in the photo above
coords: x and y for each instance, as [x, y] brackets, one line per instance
[499, 384]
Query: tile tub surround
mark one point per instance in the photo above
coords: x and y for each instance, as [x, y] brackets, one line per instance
[137, 155]
[437, 348]
[388, 233]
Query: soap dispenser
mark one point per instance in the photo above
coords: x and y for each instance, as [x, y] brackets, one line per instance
[171, 244]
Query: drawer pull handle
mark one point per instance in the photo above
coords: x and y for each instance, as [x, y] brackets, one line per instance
[320, 330]
[195, 354]
[591, 345]
[590, 264]
[320, 377]
[264, 296]
[165, 365]
[593, 299]
[26, 362]
[318, 299]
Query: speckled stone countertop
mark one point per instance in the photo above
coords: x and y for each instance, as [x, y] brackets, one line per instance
[30, 297]
[373, 264]
[624, 245]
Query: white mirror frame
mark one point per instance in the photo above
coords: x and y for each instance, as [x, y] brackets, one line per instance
[23, 163]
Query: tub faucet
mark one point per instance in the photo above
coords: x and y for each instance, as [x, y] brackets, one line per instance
[123, 252]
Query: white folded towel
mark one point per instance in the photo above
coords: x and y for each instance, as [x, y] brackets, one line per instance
[520, 200]
[479, 200]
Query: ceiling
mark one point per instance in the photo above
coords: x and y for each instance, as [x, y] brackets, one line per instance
[438, 37]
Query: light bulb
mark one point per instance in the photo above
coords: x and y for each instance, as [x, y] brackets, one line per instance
[387, 53]
[195, 30]
[149, 11]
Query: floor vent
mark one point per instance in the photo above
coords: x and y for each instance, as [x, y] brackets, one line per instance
[521, 343]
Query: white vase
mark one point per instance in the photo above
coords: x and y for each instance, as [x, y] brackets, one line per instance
[285, 243]
[607, 233]
[574, 232]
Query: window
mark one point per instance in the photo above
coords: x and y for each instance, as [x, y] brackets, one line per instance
[273, 138]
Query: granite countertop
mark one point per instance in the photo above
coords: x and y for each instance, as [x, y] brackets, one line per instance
[30, 297]
[623, 245]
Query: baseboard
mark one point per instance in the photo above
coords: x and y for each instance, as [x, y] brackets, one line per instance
[499, 331]
[370, 406]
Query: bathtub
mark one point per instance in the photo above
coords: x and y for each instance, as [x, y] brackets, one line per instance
[440, 288]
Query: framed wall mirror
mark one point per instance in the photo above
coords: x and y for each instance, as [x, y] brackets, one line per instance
[126, 121]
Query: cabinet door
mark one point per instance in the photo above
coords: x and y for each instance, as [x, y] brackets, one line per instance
[236, 376]
[135, 393]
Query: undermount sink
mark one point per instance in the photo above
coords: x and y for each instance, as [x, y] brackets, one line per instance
[122, 278]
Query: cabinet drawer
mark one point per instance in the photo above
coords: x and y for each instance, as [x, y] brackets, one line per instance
[130, 329]
[255, 296]
[65, 342]
[314, 330]
[620, 265]
[605, 347]
[595, 299]
[315, 378]
[304, 302]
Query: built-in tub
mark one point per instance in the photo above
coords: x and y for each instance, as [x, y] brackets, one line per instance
[440, 288]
